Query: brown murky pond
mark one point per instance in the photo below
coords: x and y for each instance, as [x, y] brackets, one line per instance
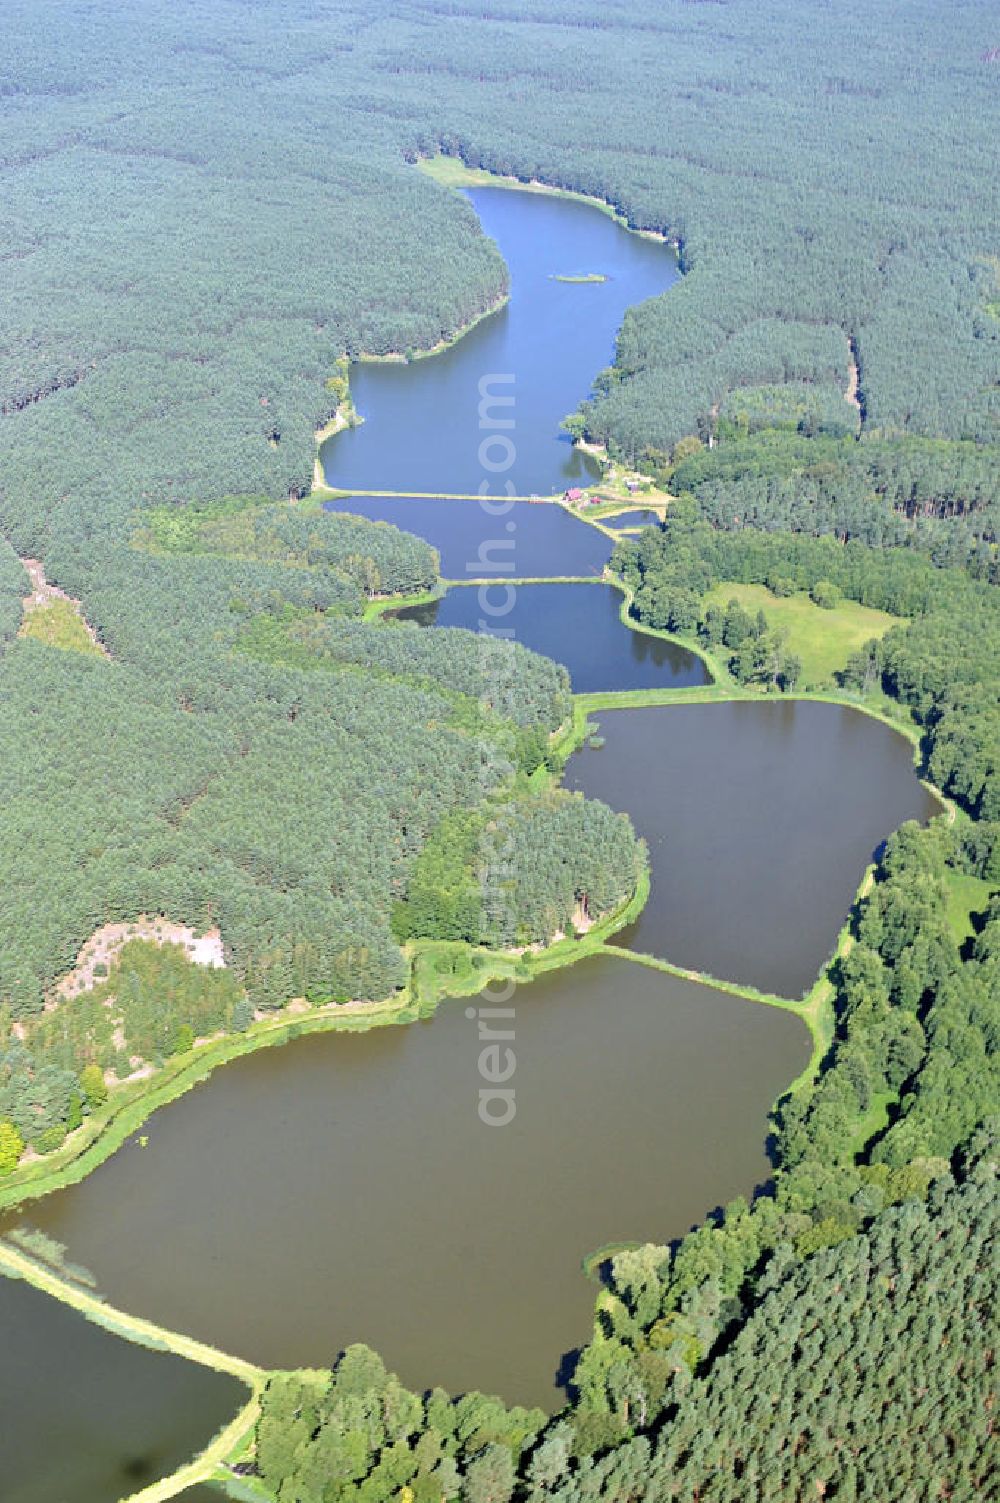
[344, 1188]
[88, 1418]
[761, 817]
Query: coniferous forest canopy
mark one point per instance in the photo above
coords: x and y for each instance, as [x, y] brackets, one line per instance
[207, 206]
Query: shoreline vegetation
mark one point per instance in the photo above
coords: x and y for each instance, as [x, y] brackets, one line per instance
[439, 970]
[442, 970]
[229, 1444]
[215, 1463]
[347, 416]
[408, 357]
[344, 417]
[452, 172]
[705, 1343]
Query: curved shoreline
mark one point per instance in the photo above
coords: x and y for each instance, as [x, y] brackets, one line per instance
[347, 416]
[106, 1130]
[419, 998]
[424, 352]
[135, 1105]
[131, 1105]
[452, 172]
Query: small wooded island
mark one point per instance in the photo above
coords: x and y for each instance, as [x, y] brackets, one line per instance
[591, 729]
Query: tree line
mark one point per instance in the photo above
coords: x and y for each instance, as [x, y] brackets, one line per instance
[377, 558]
[560, 861]
[942, 665]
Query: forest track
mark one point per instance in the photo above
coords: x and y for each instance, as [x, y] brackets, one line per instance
[853, 394]
[44, 594]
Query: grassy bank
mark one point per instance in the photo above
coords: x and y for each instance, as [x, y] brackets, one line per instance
[604, 511]
[129, 1106]
[331, 493]
[437, 970]
[815, 1008]
[822, 639]
[452, 968]
[616, 481]
[876, 705]
[525, 579]
[376, 609]
[19, 1265]
[230, 1441]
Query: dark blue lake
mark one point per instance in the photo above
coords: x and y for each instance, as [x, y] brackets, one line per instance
[422, 428]
[508, 539]
[643, 517]
[577, 625]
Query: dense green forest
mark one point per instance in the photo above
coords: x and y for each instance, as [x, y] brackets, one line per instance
[933, 494]
[778, 148]
[206, 207]
[566, 859]
[376, 558]
[279, 778]
[13, 588]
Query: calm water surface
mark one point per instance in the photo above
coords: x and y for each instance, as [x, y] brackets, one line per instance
[640, 518]
[578, 625]
[343, 1188]
[761, 818]
[515, 539]
[86, 1417]
[422, 428]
